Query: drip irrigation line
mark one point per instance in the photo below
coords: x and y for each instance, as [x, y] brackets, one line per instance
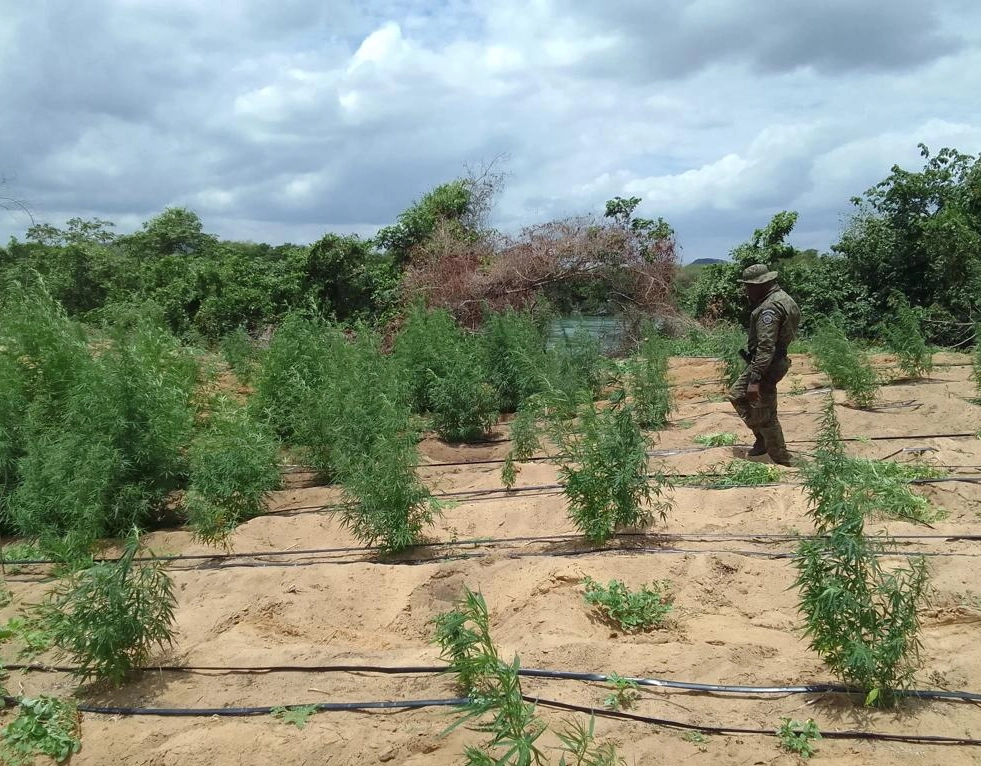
[924, 739]
[766, 537]
[550, 674]
[237, 712]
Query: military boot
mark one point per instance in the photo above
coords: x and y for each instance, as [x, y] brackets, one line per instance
[776, 448]
[759, 446]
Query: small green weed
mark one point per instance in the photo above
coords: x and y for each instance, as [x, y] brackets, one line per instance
[624, 693]
[632, 611]
[35, 638]
[695, 737]
[43, 726]
[685, 424]
[797, 386]
[19, 552]
[296, 715]
[736, 473]
[798, 736]
[723, 439]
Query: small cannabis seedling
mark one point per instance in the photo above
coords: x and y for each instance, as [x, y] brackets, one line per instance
[798, 736]
[631, 611]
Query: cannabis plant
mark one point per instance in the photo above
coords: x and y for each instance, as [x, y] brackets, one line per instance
[107, 617]
[422, 350]
[603, 467]
[648, 381]
[904, 338]
[859, 616]
[492, 686]
[374, 449]
[727, 340]
[464, 406]
[496, 705]
[241, 353]
[234, 464]
[846, 365]
[514, 357]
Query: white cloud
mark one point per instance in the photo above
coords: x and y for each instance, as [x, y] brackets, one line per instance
[304, 116]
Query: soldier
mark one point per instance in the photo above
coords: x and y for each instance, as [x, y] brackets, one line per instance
[772, 326]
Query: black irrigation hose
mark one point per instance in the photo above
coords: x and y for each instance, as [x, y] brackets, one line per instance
[658, 537]
[557, 675]
[925, 739]
[237, 712]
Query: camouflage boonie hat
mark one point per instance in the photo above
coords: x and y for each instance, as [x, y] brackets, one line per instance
[758, 274]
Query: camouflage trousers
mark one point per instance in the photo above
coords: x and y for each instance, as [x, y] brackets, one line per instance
[761, 415]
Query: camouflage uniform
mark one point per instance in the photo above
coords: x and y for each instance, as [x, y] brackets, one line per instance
[772, 326]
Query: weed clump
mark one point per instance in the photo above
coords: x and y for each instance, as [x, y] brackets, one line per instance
[631, 611]
[736, 473]
[723, 439]
[860, 617]
[44, 726]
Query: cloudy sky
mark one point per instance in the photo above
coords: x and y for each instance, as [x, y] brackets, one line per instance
[278, 120]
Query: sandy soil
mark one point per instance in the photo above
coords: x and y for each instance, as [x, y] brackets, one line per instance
[735, 620]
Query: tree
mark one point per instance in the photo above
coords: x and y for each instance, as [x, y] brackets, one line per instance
[919, 233]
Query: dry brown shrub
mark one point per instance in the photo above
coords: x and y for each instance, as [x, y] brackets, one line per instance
[467, 276]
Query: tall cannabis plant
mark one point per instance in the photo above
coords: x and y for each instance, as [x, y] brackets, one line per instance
[648, 381]
[903, 337]
[845, 364]
[859, 616]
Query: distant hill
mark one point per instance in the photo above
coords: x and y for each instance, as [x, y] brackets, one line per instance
[705, 261]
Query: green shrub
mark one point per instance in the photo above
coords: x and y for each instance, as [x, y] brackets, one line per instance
[845, 364]
[514, 356]
[233, 465]
[108, 617]
[44, 726]
[903, 337]
[648, 380]
[630, 610]
[860, 617]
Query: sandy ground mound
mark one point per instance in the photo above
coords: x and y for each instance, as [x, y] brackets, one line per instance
[299, 591]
